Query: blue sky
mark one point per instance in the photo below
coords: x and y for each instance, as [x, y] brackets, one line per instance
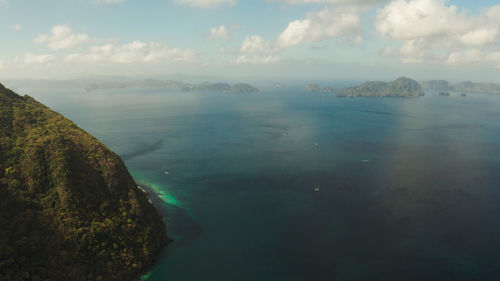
[272, 39]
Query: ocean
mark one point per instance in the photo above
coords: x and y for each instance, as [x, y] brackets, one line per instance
[297, 186]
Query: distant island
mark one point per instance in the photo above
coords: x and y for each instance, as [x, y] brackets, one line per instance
[213, 87]
[98, 83]
[242, 88]
[402, 87]
[69, 208]
[329, 90]
[169, 84]
[435, 85]
[313, 88]
[238, 88]
[467, 86]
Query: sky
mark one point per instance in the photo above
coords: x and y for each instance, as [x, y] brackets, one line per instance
[260, 39]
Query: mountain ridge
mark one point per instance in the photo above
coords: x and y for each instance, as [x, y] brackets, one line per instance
[401, 87]
[466, 86]
[69, 209]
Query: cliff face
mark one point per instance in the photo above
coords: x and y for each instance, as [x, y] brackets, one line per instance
[69, 209]
[402, 87]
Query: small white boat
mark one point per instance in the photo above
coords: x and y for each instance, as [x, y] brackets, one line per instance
[166, 172]
[316, 188]
[316, 144]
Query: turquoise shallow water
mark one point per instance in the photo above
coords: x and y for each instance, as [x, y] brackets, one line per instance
[409, 188]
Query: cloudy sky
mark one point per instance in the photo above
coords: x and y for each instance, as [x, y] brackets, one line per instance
[323, 39]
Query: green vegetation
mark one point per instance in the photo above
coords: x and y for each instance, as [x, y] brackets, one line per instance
[69, 209]
[402, 87]
[467, 86]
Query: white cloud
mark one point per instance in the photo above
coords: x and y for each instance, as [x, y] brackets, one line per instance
[256, 50]
[26, 60]
[30, 59]
[433, 30]
[340, 24]
[255, 44]
[108, 2]
[413, 51]
[61, 37]
[415, 19]
[474, 57]
[134, 52]
[16, 27]
[206, 4]
[220, 32]
[256, 59]
[320, 26]
[349, 2]
[480, 36]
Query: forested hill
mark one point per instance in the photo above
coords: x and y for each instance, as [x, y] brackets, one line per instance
[401, 87]
[69, 209]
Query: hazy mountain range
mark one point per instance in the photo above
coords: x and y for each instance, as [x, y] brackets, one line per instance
[117, 82]
[467, 86]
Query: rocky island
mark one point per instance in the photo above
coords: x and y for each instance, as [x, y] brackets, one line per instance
[329, 90]
[436, 85]
[402, 87]
[238, 88]
[105, 83]
[170, 84]
[69, 209]
[205, 86]
[242, 88]
[467, 86]
[313, 88]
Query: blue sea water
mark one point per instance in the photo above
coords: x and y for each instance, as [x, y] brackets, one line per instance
[409, 187]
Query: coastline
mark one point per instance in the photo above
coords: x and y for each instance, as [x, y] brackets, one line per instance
[149, 192]
[156, 191]
[182, 227]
